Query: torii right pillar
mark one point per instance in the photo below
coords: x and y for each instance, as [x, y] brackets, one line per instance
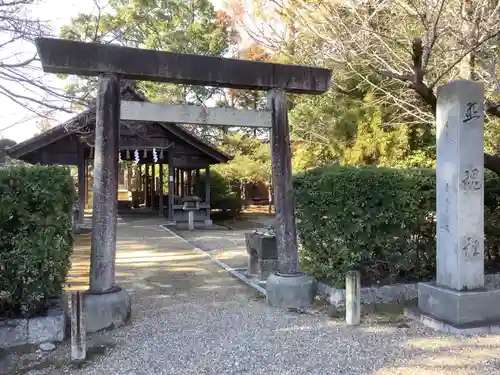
[458, 301]
[287, 288]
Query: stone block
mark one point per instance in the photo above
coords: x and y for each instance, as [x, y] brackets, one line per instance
[290, 291]
[13, 332]
[417, 315]
[106, 310]
[459, 307]
[36, 330]
[262, 254]
[51, 327]
[265, 267]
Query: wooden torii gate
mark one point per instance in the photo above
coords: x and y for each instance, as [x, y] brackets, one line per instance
[112, 62]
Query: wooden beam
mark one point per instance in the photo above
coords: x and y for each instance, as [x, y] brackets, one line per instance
[90, 59]
[193, 114]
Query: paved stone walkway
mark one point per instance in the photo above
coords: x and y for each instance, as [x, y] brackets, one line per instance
[190, 317]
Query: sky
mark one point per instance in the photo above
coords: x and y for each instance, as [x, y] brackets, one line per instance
[16, 122]
[21, 123]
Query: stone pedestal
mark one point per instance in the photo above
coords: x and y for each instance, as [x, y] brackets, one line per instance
[106, 310]
[458, 297]
[262, 254]
[290, 292]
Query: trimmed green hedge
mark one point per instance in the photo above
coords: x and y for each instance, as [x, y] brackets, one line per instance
[378, 220]
[35, 237]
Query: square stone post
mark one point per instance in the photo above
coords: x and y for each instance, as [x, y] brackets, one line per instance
[105, 189]
[459, 185]
[458, 297]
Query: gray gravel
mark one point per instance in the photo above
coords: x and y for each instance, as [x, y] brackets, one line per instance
[190, 317]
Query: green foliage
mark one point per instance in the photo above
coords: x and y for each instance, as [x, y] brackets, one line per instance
[375, 219]
[221, 196]
[251, 159]
[35, 236]
[191, 26]
[379, 220]
[356, 130]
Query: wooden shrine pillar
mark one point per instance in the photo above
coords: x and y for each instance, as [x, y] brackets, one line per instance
[129, 176]
[190, 182]
[81, 183]
[138, 177]
[87, 178]
[208, 184]
[171, 185]
[176, 180]
[183, 193]
[281, 155]
[146, 184]
[105, 190]
[160, 198]
[197, 183]
[153, 186]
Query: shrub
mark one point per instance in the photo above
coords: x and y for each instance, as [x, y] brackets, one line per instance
[221, 196]
[230, 205]
[380, 221]
[35, 237]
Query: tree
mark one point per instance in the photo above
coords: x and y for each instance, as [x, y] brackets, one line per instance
[21, 79]
[403, 49]
[191, 26]
[4, 144]
[251, 162]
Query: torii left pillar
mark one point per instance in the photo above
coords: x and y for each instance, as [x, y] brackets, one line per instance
[106, 304]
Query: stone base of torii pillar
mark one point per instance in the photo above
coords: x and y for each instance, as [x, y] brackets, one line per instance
[459, 302]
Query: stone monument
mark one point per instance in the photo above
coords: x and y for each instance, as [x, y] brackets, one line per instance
[458, 299]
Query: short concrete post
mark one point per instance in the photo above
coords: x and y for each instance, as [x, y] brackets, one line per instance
[191, 220]
[78, 337]
[352, 298]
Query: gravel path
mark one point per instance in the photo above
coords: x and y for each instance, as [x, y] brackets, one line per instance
[190, 317]
[226, 245]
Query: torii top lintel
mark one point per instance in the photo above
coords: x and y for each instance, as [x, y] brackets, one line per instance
[91, 59]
